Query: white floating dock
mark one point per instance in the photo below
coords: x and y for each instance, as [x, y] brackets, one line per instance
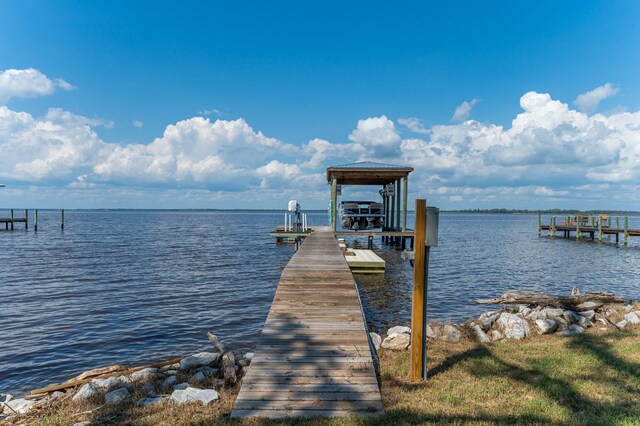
[364, 261]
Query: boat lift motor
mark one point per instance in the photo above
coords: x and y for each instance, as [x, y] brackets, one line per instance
[294, 208]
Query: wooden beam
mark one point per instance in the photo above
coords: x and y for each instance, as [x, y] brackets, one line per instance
[418, 308]
[405, 193]
[334, 197]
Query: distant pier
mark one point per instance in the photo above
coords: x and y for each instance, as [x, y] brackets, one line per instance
[593, 227]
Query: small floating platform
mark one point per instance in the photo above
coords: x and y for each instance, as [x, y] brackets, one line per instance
[364, 261]
[284, 236]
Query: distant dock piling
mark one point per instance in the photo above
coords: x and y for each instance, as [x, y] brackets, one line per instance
[593, 225]
[11, 219]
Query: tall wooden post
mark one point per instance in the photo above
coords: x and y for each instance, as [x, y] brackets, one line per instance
[600, 229]
[626, 229]
[578, 233]
[405, 194]
[539, 223]
[12, 219]
[552, 227]
[417, 369]
[334, 199]
[35, 221]
[62, 220]
[617, 222]
[26, 219]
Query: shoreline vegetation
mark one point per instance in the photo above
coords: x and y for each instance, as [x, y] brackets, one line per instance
[568, 360]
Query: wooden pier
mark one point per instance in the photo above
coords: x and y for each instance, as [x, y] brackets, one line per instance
[313, 357]
[587, 226]
[11, 220]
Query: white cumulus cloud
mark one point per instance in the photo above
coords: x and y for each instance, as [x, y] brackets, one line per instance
[463, 110]
[590, 100]
[28, 83]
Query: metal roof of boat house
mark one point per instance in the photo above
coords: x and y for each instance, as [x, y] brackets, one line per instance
[367, 173]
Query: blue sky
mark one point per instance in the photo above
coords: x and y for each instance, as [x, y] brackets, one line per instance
[194, 104]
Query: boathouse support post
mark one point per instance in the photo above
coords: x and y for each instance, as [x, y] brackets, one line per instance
[552, 228]
[392, 220]
[334, 198]
[398, 218]
[617, 222]
[626, 230]
[417, 367]
[405, 193]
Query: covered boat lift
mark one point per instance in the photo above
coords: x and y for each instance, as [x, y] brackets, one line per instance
[394, 183]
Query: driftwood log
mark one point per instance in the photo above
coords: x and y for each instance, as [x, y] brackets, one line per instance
[524, 297]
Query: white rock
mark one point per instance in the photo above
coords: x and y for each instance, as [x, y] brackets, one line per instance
[584, 322]
[622, 324]
[399, 329]
[199, 359]
[197, 378]
[85, 423]
[396, 342]
[546, 326]
[87, 391]
[116, 396]
[106, 384]
[488, 321]
[18, 405]
[432, 332]
[145, 375]
[181, 386]
[376, 340]
[248, 355]
[145, 402]
[588, 306]
[480, 335]
[525, 311]
[513, 326]
[450, 333]
[57, 394]
[632, 318]
[204, 396]
[495, 335]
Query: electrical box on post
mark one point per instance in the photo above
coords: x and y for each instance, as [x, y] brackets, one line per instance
[433, 217]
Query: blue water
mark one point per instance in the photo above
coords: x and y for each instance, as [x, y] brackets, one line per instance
[141, 286]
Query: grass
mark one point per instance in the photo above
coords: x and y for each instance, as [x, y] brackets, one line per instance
[593, 378]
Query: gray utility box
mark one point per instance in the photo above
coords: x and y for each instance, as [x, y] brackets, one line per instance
[433, 217]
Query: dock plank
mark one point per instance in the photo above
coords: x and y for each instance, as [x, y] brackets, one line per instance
[313, 356]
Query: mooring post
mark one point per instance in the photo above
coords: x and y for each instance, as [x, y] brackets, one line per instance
[26, 219]
[417, 369]
[626, 229]
[539, 223]
[600, 230]
[35, 221]
[62, 220]
[12, 219]
[578, 233]
[552, 228]
[370, 242]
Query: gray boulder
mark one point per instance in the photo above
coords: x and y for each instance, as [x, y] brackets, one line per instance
[145, 402]
[479, 333]
[513, 326]
[170, 381]
[181, 386]
[552, 313]
[571, 316]
[525, 311]
[488, 321]
[86, 392]
[197, 378]
[187, 395]
[432, 331]
[376, 340]
[399, 329]
[148, 389]
[587, 314]
[589, 306]
[106, 384]
[208, 371]
[450, 334]
[572, 330]
[116, 396]
[396, 341]
[199, 359]
[622, 324]
[546, 326]
[145, 375]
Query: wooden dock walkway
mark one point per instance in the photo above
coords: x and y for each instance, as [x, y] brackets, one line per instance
[313, 357]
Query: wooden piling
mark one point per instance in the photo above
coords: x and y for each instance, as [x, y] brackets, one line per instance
[626, 230]
[418, 307]
[35, 221]
[370, 242]
[600, 230]
[26, 219]
[405, 194]
[539, 223]
[62, 220]
[552, 228]
[578, 233]
[12, 219]
[617, 222]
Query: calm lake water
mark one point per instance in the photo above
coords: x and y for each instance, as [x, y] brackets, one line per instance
[142, 286]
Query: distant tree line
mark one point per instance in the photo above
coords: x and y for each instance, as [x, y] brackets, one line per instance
[547, 211]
